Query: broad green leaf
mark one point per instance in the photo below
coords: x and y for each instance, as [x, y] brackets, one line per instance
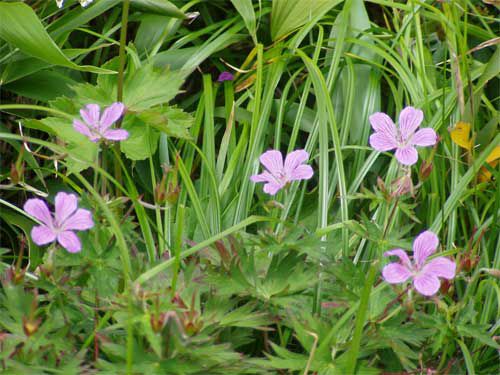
[150, 31]
[162, 7]
[142, 141]
[21, 28]
[44, 85]
[175, 58]
[148, 87]
[288, 15]
[144, 88]
[246, 11]
[169, 120]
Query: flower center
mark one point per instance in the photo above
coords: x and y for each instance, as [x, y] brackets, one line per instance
[402, 141]
[281, 177]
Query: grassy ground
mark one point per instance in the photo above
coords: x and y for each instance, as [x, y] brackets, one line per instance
[190, 268]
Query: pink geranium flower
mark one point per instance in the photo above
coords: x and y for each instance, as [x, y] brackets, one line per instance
[403, 139]
[97, 127]
[60, 226]
[425, 274]
[277, 175]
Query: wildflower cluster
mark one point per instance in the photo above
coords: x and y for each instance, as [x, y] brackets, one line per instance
[425, 275]
[67, 217]
[277, 174]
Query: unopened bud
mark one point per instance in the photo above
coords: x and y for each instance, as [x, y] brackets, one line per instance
[381, 185]
[173, 193]
[30, 326]
[445, 286]
[157, 322]
[16, 172]
[402, 186]
[425, 170]
[161, 191]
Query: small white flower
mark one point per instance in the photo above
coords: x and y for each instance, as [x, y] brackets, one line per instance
[83, 3]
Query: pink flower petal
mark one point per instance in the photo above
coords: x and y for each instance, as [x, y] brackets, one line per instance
[81, 128]
[39, 210]
[65, 205]
[273, 161]
[382, 141]
[80, 220]
[382, 123]
[263, 177]
[302, 172]
[69, 241]
[424, 137]
[272, 188]
[402, 255]
[294, 159]
[90, 114]
[407, 155]
[116, 135]
[395, 273]
[409, 120]
[426, 284]
[42, 235]
[440, 267]
[424, 245]
[111, 115]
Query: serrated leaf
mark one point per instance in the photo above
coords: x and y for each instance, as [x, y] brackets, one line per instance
[169, 120]
[148, 87]
[142, 141]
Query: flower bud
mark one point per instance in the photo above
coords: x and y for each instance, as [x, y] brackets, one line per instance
[402, 186]
[425, 170]
[445, 286]
[173, 193]
[30, 326]
[17, 169]
[381, 184]
[161, 191]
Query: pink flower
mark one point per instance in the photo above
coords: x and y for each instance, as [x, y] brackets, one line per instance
[97, 127]
[68, 218]
[276, 175]
[403, 139]
[225, 76]
[425, 275]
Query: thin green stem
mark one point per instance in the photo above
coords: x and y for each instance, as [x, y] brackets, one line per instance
[177, 247]
[121, 56]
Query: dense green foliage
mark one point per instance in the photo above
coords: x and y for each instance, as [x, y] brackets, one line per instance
[191, 268]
